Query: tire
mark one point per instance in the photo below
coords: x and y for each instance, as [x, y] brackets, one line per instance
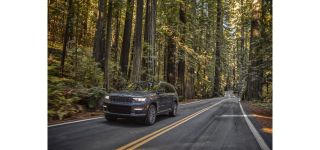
[174, 109]
[151, 115]
[110, 118]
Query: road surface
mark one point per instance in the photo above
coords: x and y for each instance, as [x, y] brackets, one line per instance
[217, 123]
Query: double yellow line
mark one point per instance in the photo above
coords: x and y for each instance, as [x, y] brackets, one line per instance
[137, 143]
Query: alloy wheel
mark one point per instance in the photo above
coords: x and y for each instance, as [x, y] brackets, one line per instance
[152, 114]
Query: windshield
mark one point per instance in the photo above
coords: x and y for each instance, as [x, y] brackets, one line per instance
[142, 86]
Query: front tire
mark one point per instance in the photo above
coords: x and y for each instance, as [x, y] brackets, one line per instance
[174, 110]
[151, 115]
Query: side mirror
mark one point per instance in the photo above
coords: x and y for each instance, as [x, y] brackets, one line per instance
[159, 92]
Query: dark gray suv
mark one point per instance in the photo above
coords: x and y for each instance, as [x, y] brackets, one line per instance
[143, 100]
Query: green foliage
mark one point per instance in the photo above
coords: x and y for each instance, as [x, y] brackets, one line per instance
[263, 105]
[117, 80]
[61, 97]
[82, 84]
[94, 97]
[194, 40]
[83, 68]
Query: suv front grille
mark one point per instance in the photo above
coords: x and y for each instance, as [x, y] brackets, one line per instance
[119, 109]
[120, 99]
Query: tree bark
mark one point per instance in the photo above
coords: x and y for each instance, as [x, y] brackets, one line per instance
[108, 45]
[85, 24]
[153, 37]
[67, 35]
[99, 40]
[217, 90]
[124, 58]
[171, 61]
[181, 63]
[148, 60]
[137, 47]
[253, 79]
[146, 48]
[190, 74]
[116, 40]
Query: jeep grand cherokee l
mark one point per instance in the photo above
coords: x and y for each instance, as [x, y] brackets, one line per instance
[143, 100]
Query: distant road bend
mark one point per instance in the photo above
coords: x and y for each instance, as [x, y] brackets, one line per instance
[218, 123]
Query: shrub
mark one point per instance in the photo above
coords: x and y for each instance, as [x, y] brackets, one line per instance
[81, 84]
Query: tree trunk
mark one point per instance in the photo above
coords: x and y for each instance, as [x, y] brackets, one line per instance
[148, 60]
[153, 38]
[108, 45]
[241, 52]
[136, 66]
[67, 35]
[217, 91]
[146, 48]
[181, 63]
[234, 72]
[253, 79]
[171, 61]
[124, 58]
[189, 86]
[165, 60]
[99, 40]
[115, 46]
[85, 24]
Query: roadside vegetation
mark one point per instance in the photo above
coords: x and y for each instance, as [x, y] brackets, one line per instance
[202, 47]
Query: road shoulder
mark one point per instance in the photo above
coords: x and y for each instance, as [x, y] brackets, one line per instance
[261, 118]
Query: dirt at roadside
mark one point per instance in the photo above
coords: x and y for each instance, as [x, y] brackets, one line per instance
[262, 113]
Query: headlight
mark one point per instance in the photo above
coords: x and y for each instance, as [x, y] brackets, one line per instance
[139, 99]
[107, 100]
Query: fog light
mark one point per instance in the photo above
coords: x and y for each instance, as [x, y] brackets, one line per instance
[104, 107]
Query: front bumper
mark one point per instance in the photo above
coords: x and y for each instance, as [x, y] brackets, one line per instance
[118, 115]
[125, 110]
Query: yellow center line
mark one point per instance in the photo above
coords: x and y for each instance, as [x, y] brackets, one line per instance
[158, 134]
[137, 143]
[147, 136]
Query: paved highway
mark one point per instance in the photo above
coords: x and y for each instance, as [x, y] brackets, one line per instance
[218, 123]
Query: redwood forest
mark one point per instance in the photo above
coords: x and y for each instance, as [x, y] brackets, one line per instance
[202, 47]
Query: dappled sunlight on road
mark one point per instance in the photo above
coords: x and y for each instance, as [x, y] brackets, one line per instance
[267, 130]
[260, 116]
[264, 128]
[251, 115]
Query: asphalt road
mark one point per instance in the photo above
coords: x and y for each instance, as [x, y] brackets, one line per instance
[216, 123]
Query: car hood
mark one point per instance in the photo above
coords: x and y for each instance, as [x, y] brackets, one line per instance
[132, 94]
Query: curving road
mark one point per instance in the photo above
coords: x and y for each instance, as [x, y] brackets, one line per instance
[217, 123]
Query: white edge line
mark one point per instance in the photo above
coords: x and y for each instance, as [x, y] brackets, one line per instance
[254, 131]
[54, 125]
